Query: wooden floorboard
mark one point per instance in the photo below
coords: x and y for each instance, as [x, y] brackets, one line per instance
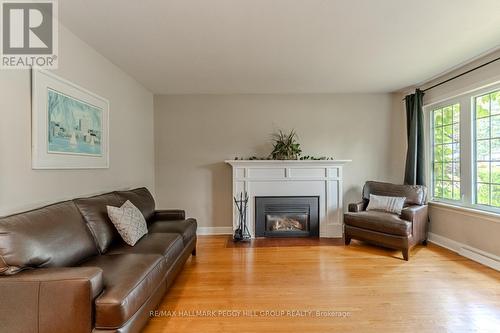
[358, 288]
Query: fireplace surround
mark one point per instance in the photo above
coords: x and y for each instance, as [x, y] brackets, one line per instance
[322, 179]
[287, 216]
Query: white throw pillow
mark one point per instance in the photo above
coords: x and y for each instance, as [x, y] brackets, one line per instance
[129, 222]
[386, 204]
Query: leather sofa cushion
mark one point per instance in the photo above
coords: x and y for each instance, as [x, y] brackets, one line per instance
[414, 194]
[51, 236]
[170, 246]
[129, 281]
[142, 199]
[94, 212]
[379, 221]
[186, 228]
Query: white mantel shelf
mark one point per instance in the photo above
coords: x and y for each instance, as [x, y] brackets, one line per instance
[286, 162]
[322, 178]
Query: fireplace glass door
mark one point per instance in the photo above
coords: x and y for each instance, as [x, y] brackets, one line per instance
[286, 216]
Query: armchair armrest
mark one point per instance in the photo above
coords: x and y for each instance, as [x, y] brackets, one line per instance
[357, 207]
[170, 214]
[49, 299]
[419, 216]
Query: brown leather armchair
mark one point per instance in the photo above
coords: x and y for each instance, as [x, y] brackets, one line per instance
[386, 229]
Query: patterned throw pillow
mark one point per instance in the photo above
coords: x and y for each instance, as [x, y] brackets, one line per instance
[386, 204]
[129, 222]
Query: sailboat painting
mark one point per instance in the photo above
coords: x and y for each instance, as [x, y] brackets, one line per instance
[74, 127]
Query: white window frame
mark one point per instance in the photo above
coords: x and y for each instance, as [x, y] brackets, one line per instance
[467, 146]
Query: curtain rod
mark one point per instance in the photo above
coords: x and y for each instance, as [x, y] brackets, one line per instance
[462, 74]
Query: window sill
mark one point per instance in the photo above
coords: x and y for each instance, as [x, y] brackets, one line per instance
[473, 212]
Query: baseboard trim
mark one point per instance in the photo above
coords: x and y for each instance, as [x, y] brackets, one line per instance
[215, 231]
[466, 251]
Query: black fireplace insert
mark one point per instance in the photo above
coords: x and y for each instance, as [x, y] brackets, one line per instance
[287, 216]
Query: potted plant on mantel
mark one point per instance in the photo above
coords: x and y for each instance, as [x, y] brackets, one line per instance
[286, 147]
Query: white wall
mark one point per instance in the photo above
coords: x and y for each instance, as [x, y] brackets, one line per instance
[131, 132]
[196, 133]
[472, 229]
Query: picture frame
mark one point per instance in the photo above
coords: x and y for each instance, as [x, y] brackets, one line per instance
[70, 125]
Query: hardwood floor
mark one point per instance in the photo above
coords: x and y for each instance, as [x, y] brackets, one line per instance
[365, 288]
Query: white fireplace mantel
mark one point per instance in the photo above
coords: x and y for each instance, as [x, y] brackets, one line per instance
[292, 178]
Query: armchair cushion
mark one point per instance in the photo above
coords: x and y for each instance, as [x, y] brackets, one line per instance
[379, 221]
[386, 204]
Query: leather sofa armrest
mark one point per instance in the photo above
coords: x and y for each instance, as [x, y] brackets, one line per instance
[419, 216]
[49, 300]
[169, 214]
[357, 207]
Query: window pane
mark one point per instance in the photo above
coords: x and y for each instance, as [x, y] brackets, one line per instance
[456, 191]
[495, 195]
[447, 171]
[438, 135]
[456, 171]
[483, 150]
[438, 171]
[456, 152]
[495, 172]
[448, 134]
[495, 149]
[448, 153]
[495, 127]
[438, 189]
[438, 153]
[483, 106]
[438, 118]
[447, 190]
[495, 102]
[483, 172]
[447, 115]
[456, 132]
[483, 128]
[483, 194]
[456, 113]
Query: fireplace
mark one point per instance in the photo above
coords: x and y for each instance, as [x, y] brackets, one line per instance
[287, 216]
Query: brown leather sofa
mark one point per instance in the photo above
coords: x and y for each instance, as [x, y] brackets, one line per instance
[64, 268]
[385, 229]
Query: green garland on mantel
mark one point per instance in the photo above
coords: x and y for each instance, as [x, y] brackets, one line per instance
[286, 148]
[302, 158]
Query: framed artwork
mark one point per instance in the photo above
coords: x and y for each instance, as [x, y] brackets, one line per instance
[70, 125]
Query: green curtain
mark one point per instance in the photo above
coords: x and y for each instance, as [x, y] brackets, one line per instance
[415, 167]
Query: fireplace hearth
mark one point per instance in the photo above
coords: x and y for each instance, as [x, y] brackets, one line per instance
[287, 216]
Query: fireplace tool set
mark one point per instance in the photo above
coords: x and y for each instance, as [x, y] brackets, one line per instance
[242, 234]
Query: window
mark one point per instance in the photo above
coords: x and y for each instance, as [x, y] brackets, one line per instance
[446, 152]
[464, 149]
[487, 149]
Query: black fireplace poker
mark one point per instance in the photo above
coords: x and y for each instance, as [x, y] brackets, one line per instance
[241, 234]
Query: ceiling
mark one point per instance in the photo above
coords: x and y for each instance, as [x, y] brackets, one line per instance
[284, 46]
